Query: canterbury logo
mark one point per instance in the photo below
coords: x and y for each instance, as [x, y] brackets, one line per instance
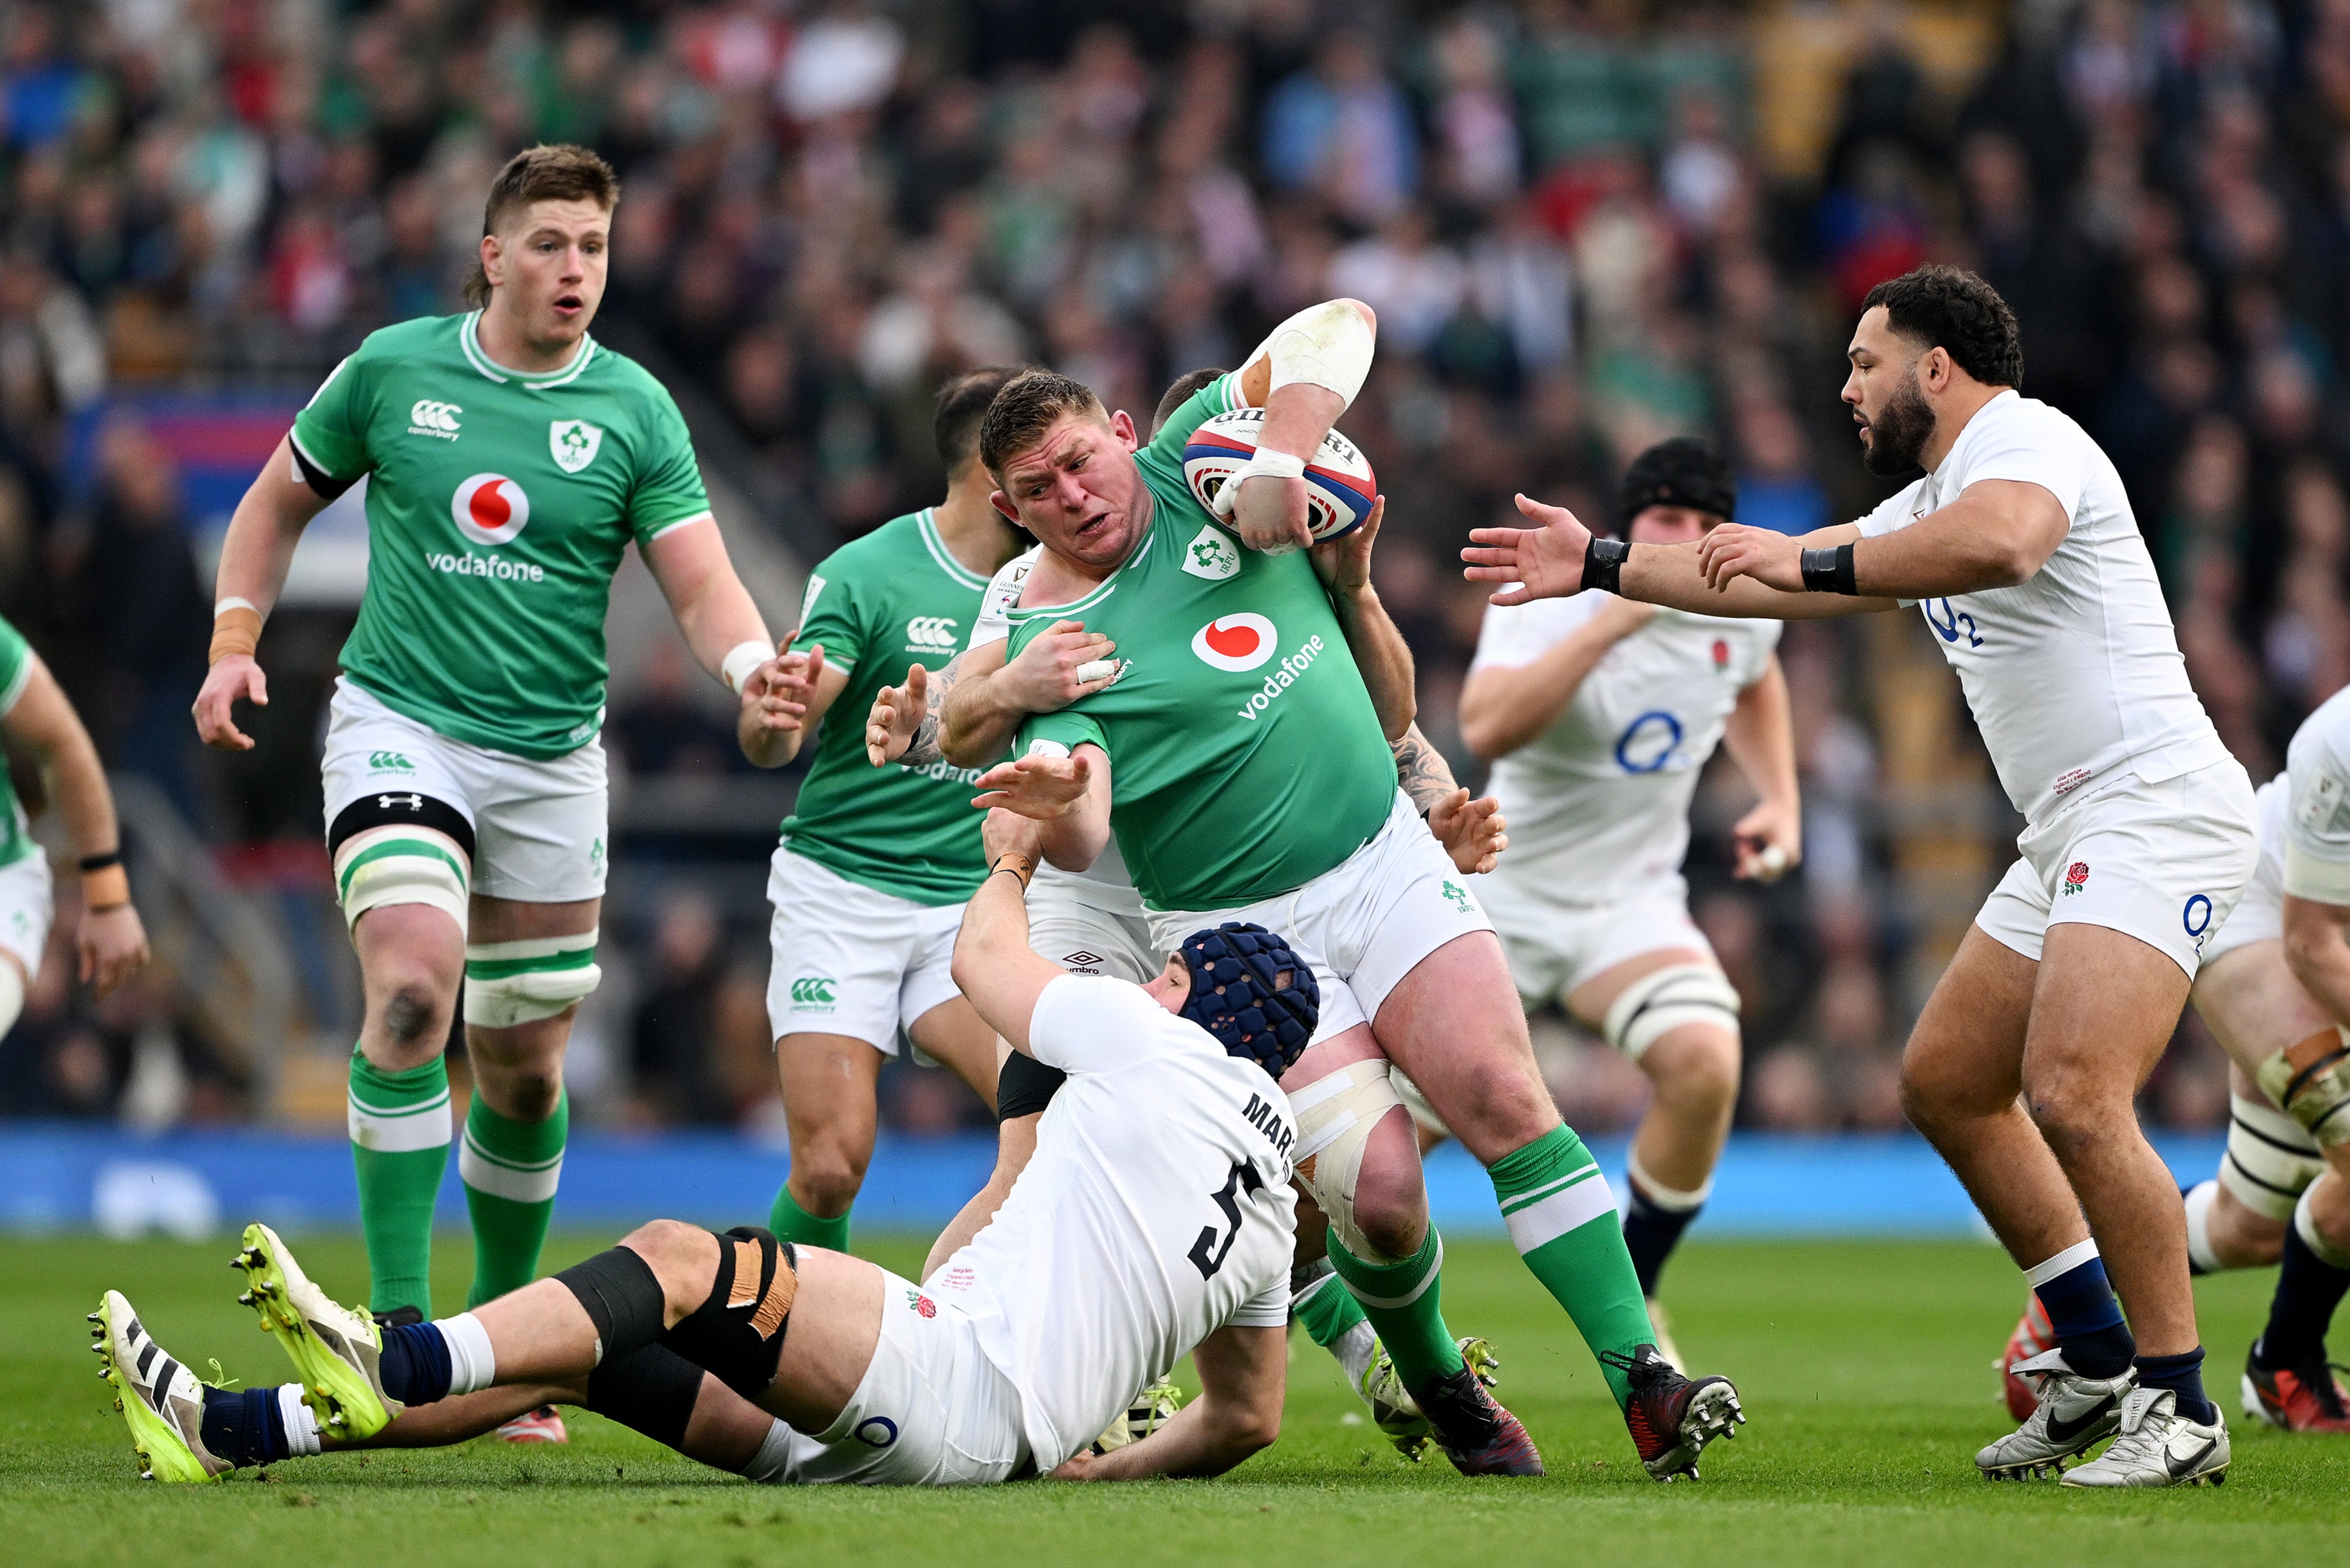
[426, 417]
[811, 990]
[930, 632]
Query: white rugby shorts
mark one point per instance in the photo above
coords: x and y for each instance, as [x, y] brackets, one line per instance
[852, 960]
[538, 827]
[931, 1409]
[2165, 863]
[1087, 928]
[1555, 947]
[2260, 913]
[1365, 923]
[28, 904]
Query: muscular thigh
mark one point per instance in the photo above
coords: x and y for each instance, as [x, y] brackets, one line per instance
[835, 1321]
[1966, 1053]
[1454, 1027]
[827, 1087]
[2254, 1005]
[2103, 1006]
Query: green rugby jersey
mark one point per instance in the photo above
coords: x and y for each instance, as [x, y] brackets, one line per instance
[15, 668]
[1245, 756]
[892, 598]
[498, 505]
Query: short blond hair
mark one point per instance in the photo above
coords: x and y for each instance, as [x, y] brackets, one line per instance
[547, 172]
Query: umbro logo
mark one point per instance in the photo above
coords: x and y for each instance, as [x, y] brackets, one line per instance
[429, 418]
[931, 633]
[1081, 961]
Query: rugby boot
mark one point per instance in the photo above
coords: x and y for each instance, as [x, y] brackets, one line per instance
[161, 1400]
[2034, 1335]
[544, 1425]
[1672, 1418]
[2074, 1414]
[1398, 1412]
[2158, 1446]
[1144, 1414]
[2295, 1400]
[1476, 1434]
[335, 1350]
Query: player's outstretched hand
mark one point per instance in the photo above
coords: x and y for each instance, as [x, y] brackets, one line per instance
[1036, 786]
[1009, 833]
[1543, 562]
[1269, 513]
[1735, 550]
[112, 946]
[236, 676]
[1067, 664]
[898, 712]
[1472, 831]
[1769, 841]
[1344, 563]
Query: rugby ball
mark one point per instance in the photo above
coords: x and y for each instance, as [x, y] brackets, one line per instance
[1339, 486]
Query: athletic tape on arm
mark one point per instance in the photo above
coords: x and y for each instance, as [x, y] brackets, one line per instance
[1664, 1000]
[1326, 345]
[508, 984]
[1335, 1117]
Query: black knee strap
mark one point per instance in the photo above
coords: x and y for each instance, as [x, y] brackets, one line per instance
[738, 1334]
[651, 1390]
[624, 1299]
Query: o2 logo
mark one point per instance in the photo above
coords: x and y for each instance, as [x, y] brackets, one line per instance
[2197, 919]
[1648, 742]
[875, 1431]
[1950, 621]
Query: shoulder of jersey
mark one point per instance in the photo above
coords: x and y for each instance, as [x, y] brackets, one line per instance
[891, 542]
[404, 339]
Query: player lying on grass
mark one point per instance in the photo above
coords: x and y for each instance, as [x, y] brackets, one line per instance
[2019, 545]
[2274, 988]
[1154, 1221]
[1253, 774]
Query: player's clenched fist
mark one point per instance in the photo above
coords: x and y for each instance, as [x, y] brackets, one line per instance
[898, 712]
[1067, 664]
[1472, 831]
[1041, 787]
[1545, 562]
[237, 675]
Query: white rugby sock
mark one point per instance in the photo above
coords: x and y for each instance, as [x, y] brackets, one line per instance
[2200, 1199]
[770, 1466]
[301, 1421]
[471, 1363]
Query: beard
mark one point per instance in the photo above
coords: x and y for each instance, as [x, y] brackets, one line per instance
[1898, 432]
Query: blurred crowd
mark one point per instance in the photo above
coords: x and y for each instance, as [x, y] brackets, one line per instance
[1561, 210]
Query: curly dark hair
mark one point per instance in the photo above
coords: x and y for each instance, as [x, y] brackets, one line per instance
[1951, 308]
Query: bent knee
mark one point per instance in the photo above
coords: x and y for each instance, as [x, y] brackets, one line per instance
[827, 1177]
[683, 1257]
[414, 1010]
[1696, 1067]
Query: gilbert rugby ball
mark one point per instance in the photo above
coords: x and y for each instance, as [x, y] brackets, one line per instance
[1339, 486]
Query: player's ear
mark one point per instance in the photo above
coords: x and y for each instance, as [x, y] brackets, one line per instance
[493, 260]
[1003, 502]
[1121, 425]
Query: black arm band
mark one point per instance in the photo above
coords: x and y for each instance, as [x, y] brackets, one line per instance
[325, 485]
[1026, 1086]
[1829, 571]
[100, 862]
[1603, 562]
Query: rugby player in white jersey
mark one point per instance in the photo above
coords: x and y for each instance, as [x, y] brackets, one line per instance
[1597, 713]
[1154, 1221]
[2019, 545]
[1093, 922]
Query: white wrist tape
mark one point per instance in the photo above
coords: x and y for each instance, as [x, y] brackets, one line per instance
[741, 660]
[1327, 345]
[1266, 463]
[233, 602]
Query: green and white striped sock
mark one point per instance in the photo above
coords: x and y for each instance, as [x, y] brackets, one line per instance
[1404, 1302]
[1561, 1216]
[399, 1149]
[511, 1170]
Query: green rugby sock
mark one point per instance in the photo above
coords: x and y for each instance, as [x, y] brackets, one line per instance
[792, 1223]
[511, 1170]
[1562, 1218]
[399, 1149]
[1328, 1310]
[1402, 1303]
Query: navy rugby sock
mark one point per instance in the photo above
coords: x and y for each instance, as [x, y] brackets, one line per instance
[245, 1425]
[2183, 1375]
[1651, 1232]
[2079, 1300]
[2308, 1289]
[415, 1367]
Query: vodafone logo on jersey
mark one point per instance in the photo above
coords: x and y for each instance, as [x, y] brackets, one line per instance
[1235, 642]
[490, 509]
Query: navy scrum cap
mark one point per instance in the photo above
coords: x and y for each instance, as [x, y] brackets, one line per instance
[1682, 471]
[1240, 994]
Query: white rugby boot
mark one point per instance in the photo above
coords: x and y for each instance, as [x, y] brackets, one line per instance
[2076, 1414]
[2158, 1446]
[335, 1349]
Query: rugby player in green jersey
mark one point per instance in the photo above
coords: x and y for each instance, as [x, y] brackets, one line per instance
[874, 869]
[1240, 762]
[510, 461]
[110, 944]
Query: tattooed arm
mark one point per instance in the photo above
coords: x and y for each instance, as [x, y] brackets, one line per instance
[904, 725]
[1470, 830]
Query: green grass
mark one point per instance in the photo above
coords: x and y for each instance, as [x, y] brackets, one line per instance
[1863, 1367]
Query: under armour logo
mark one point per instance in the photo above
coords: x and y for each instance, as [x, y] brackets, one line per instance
[413, 801]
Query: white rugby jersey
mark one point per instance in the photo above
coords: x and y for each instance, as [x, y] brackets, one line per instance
[1598, 803]
[1104, 885]
[2075, 672]
[1156, 1210]
[2317, 819]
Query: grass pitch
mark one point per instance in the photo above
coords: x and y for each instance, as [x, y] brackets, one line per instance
[1864, 1367]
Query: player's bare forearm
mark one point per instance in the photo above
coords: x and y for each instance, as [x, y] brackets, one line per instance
[994, 966]
[1672, 576]
[976, 725]
[712, 607]
[1761, 737]
[924, 750]
[1504, 707]
[1244, 1374]
[1421, 771]
[263, 532]
[1383, 657]
[2317, 950]
[45, 723]
[1016, 1145]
